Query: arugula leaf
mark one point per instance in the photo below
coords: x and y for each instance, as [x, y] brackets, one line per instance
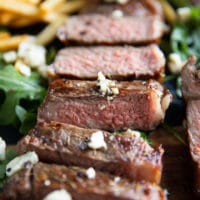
[10, 154]
[16, 88]
[185, 38]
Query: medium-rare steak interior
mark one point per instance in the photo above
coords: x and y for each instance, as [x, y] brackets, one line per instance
[126, 154]
[37, 182]
[138, 105]
[102, 29]
[114, 62]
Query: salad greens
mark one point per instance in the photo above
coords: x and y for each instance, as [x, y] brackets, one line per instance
[20, 96]
[185, 38]
[10, 154]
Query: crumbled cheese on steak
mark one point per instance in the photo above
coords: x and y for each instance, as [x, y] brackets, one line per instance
[91, 173]
[97, 141]
[133, 132]
[2, 149]
[58, 195]
[117, 13]
[18, 163]
[107, 87]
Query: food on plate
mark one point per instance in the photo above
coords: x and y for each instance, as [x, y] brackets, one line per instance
[102, 29]
[123, 154]
[23, 13]
[190, 90]
[115, 62]
[137, 104]
[193, 126]
[191, 80]
[36, 182]
[131, 8]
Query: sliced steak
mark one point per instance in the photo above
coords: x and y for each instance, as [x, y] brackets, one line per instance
[123, 155]
[193, 127]
[139, 105]
[19, 186]
[115, 62]
[103, 29]
[47, 178]
[191, 92]
[191, 80]
[132, 8]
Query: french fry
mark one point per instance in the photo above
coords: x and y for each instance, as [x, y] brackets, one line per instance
[72, 6]
[49, 33]
[4, 35]
[6, 18]
[169, 12]
[50, 5]
[33, 2]
[21, 8]
[23, 22]
[12, 42]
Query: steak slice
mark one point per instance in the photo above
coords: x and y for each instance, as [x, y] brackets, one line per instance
[191, 80]
[47, 178]
[124, 155]
[193, 127]
[139, 105]
[115, 62]
[103, 29]
[131, 8]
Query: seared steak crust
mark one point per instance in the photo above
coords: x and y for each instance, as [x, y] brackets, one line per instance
[126, 155]
[191, 80]
[103, 29]
[114, 62]
[139, 105]
[75, 181]
[193, 127]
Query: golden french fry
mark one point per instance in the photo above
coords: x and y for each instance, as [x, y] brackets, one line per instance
[23, 22]
[72, 6]
[34, 2]
[49, 33]
[50, 5]
[12, 42]
[4, 35]
[6, 18]
[170, 13]
[21, 8]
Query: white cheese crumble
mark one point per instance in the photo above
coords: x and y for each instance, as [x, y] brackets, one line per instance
[58, 195]
[32, 54]
[2, 149]
[117, 13]
[18, 163]
[117, 179]
[97, 141]
[107, 87]
[184, 13]
[175, 63]
[133, 132]
[22, 68]
[47, 182]
[10, 56]
[91, 173]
